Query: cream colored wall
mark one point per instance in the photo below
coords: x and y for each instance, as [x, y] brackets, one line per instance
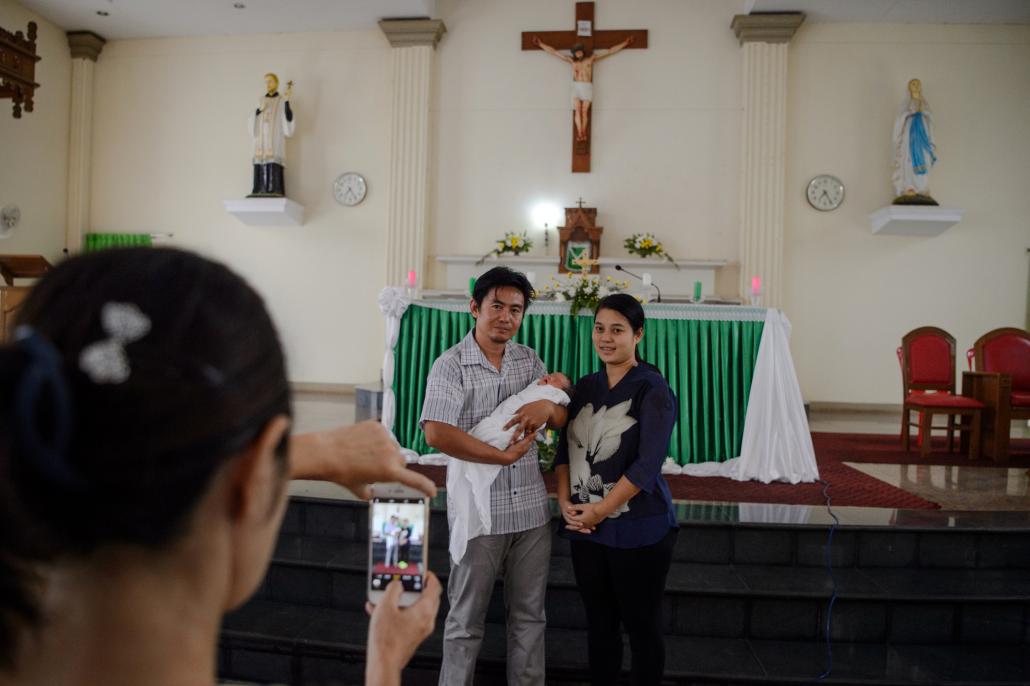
[850, 294]
[171, 143]
[666, 124]
[34, 149]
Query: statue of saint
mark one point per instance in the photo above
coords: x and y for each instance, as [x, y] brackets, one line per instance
[914, 151]
[582, 79]
[271, 124]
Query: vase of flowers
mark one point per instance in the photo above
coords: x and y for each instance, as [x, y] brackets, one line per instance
[582, 291]
[513, 243]
[646, 245]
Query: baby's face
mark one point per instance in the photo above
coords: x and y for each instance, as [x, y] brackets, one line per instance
[557, 380]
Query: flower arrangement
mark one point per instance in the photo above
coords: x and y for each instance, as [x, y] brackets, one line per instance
[581, 290]
[513, 244]
[546, 449]
[645, 245]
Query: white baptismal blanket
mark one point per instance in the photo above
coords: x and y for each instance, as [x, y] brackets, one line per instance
[468, 483]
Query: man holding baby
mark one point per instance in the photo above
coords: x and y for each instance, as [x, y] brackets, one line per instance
[466, 384]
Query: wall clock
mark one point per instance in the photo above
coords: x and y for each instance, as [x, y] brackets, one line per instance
[350, 188]
[825, 192]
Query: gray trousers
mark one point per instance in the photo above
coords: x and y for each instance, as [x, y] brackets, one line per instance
[524, 559]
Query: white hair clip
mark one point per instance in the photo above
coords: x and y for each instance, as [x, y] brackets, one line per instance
[105, 361]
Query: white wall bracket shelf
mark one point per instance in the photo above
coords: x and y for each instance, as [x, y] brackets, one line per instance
[914, 220]
[266, 211]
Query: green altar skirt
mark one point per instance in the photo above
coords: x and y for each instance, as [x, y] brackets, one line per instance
[706, 352]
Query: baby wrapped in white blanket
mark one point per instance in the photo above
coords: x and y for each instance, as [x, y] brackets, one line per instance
[468, 483]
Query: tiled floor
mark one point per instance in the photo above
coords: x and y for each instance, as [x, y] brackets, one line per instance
[954, 488]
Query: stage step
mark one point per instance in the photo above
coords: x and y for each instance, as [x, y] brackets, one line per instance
[746, 603]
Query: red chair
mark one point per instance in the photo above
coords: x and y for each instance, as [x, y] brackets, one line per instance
[1005, 355]
[927, 356]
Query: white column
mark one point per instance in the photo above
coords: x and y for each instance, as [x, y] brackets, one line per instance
[764, 39]
[413, 44]
[85, 47]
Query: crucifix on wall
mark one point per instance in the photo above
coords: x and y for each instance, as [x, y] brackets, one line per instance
[581, 44]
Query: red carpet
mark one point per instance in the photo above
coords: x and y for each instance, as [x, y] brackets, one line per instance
[848, 486]
[883, 449]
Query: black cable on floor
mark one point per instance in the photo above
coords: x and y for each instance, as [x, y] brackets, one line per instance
[833, 581]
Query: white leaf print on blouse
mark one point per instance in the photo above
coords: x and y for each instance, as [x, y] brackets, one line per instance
[594, 438]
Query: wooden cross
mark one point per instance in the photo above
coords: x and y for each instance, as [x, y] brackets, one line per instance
[585, 36]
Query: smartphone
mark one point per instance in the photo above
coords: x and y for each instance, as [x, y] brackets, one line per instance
[398, 540]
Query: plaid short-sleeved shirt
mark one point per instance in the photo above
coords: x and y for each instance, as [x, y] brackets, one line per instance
[463, 388]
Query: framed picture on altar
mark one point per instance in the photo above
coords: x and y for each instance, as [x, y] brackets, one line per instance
[574, 251]
[579, 239]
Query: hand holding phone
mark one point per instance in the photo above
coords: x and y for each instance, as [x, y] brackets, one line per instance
[397, 541]
[395, 632]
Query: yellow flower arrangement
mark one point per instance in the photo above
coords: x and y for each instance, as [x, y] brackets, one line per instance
[645, 245]
[513, 244]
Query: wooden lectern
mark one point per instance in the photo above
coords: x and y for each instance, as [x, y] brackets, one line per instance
[11, 297]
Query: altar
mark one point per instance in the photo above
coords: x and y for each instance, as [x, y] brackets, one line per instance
[675, 279]
[729, 366]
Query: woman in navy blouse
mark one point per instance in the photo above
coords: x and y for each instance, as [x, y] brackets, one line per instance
[614, 499]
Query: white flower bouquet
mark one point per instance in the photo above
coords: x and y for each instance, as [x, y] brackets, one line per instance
[581, 290]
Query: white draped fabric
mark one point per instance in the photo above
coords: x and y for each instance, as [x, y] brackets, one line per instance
[393, 304]
[777, 444]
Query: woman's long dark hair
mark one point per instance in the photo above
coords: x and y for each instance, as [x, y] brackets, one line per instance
[86, 461]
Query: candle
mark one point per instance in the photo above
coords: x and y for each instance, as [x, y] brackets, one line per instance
[756, 285]
[531, 276]
[646, 279]
[697, 291]
[411, 278]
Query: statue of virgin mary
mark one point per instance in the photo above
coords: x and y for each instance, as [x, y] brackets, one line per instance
[914, 151]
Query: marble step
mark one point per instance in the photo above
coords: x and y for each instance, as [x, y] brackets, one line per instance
[731, 600]
[276, 642]
[711, 533]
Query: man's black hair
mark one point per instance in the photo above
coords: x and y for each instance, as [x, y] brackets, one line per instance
[502, 277]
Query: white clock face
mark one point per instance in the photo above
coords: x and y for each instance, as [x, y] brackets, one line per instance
[349, 189]
[825, 192]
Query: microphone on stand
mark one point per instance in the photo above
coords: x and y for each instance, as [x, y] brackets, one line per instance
[620, 268]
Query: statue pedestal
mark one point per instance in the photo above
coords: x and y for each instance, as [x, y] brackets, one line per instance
[266, 211]
[914, 220]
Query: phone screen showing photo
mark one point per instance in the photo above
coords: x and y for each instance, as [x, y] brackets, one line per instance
[398, 543]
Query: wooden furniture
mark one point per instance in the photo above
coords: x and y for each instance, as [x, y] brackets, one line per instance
[927, 357]
[1002, 382]
[11, 296]
[580, 238]
[18, 68]
[993, 390]
[590, 40]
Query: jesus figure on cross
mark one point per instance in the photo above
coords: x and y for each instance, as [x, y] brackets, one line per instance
[582, 78]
